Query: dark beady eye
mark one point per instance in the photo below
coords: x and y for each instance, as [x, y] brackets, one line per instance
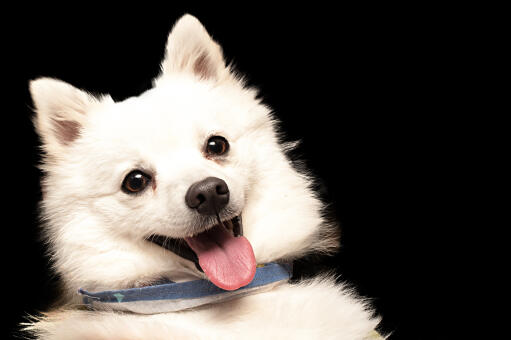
[135, 182]
[217, 146]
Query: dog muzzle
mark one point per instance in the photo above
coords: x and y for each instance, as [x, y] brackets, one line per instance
[173, 296]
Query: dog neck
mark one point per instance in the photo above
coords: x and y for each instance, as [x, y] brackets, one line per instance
[172, 296]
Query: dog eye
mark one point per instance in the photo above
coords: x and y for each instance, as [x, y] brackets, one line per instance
[135, 182]
[217, 145]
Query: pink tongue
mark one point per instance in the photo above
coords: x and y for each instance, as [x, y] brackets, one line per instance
[228, 261]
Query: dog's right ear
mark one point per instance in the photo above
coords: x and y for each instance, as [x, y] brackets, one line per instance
[61, 112]
[190, 49]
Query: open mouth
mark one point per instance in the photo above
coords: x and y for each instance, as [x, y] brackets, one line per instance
[221, 252]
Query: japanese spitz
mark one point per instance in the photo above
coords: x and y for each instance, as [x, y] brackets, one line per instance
[187, 181]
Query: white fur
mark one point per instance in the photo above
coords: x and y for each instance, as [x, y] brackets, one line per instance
[314, 309]
[96, 232]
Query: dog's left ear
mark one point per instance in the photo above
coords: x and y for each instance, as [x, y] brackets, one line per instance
[61, 112]
[191, 50]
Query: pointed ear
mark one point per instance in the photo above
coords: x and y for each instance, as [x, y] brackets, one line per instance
[190, 49]
[61, 111]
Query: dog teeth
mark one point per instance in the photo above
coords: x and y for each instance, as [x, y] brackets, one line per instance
[237, 226]
[233, 225]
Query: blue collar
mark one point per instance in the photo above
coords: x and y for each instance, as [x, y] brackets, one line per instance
[170, 297]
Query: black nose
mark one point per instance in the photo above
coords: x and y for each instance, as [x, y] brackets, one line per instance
[208, 196]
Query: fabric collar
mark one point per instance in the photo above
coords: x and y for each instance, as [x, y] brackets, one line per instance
[173, 296]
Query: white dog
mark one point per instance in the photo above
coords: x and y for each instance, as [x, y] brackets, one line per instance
[186, 183]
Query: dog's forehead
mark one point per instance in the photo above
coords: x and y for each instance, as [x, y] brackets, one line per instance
[179, 112]
[159, 115]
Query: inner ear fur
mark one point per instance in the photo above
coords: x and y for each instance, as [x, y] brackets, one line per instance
[61, 112]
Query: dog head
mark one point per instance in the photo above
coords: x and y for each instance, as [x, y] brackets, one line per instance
[196, 151]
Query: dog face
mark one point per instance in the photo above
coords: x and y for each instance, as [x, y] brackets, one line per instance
[196, 150]
[165, 138]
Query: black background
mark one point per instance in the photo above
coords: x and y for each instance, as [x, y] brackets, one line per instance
[360, 87]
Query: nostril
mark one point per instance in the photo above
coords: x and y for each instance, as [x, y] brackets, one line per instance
[201, 198]
[222, 189]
